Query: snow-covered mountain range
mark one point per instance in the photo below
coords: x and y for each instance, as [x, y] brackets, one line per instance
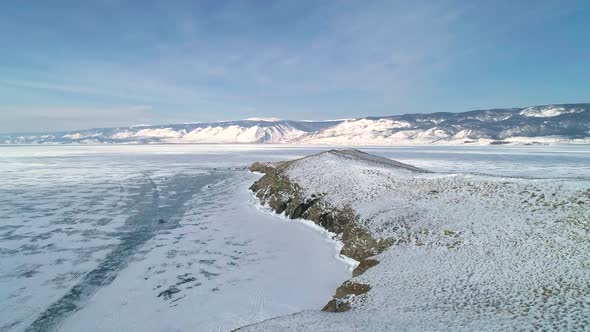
[567, 123]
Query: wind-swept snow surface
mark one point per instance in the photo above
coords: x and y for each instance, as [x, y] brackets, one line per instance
[470, 252]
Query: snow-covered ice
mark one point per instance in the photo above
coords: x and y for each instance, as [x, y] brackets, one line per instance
[120, 239]
[140, 238]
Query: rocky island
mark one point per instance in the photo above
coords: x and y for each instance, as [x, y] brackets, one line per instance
[438, 251]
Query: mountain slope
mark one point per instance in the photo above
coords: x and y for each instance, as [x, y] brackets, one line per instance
[242, 131]
[563, 121]
[550, 123]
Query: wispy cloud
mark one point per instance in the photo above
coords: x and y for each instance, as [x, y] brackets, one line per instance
[376, 49]
[284, 59]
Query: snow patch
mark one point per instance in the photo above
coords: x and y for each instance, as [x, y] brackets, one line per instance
[548, 111]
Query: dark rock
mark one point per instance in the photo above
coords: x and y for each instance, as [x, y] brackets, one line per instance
[363, 266]
[262, 167]
[340, 303]
[283, 196]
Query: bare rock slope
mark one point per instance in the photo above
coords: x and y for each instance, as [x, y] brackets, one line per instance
[439, 251]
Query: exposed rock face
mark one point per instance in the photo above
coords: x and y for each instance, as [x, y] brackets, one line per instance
[263, 167]
[276, 190]
[348, 288]
[469, 251]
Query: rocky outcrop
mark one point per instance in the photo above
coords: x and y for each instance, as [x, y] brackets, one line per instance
[276, 190]
[263, 167]
[340, 301]
[469, 251]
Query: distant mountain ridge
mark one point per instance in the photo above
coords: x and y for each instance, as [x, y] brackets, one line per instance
[565, 123]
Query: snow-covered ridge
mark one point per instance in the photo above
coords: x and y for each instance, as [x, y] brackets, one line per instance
[469, 252]
[548, 111]
[536, 124]
[350, 158]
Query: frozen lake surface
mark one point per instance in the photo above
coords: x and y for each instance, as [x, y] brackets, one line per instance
[168, 237]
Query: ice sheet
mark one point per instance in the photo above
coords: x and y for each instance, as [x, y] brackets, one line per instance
[81, 233]
[113, 240]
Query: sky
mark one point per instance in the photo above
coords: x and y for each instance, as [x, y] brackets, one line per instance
[68, 65]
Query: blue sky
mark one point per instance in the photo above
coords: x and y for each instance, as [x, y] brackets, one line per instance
[82, 64]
